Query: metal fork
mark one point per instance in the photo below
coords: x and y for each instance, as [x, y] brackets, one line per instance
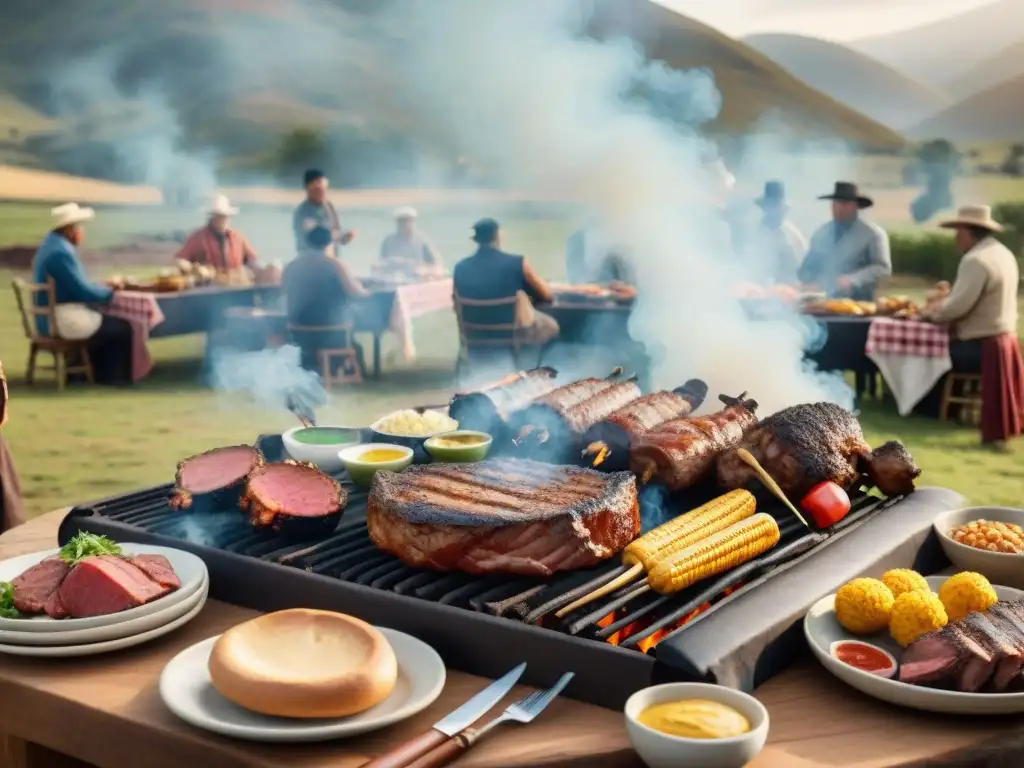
[522, 711]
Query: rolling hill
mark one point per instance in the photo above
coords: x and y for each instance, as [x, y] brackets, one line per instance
[940, 52]
[852, 78]
[270, 84]
[1005, 65]
[994, 115]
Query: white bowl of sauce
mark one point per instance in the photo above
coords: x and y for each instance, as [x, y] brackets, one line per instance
[320, 445]
[864, 656]
[696, 725]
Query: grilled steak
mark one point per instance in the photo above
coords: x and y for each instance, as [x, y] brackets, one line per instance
[215, 479]
[293, 499]
[502, 516]
[682, 452]
[106, 584]
[809, 444]
[488, 409]
[158, 568]
[33, 588]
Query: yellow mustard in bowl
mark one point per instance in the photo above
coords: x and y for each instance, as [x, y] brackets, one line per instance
[695, 719]
[459, 441]
[381, 455]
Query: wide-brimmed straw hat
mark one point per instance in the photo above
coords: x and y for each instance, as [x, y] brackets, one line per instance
[979, 216]
[405, 212]
[848, 191]
[222, 207]
[68, 214]
[774, 195]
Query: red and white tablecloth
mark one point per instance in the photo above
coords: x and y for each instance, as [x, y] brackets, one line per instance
[143, 314]
[911, 355]
[415, 300]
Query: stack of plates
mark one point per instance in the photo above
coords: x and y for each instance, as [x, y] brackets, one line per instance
[46, 637]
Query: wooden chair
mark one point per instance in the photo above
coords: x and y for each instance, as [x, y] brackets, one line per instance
[68, 356]
[963, 390]
[504, 334]
[338, 365]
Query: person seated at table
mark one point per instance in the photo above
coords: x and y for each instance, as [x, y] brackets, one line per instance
[589, 259]
[406, 250]
[981, 311]
[77, 298]
[317, 211]
[849, 255]
[217, 245]
[491, 274]
[319, 290]
[11, 513]
[778, 245]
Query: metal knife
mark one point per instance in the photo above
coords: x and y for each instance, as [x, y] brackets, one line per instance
[448, 726]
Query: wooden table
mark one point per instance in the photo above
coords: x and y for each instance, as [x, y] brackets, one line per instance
[105, 711]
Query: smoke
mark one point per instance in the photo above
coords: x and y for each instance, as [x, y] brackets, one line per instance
[273, 378]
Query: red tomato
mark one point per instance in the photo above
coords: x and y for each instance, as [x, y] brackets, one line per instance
[827, 503]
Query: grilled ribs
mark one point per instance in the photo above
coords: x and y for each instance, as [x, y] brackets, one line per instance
[808, 444]
[488, 408]
[502, 516]
[681, 452]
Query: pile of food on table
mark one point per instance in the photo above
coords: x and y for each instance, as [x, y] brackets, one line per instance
[531, 478]
[900, 307]
[186, 275]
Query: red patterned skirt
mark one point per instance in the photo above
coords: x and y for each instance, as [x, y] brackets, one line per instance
[1002, 387]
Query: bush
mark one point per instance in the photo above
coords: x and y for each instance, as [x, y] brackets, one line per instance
[926, 255]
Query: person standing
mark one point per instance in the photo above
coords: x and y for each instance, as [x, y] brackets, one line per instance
[317, 211]
[849, 255]
[11, 512]
[109, 338]
[589, 258]
[406, 249]
[981, 311]
[218, 245]
[779, 245]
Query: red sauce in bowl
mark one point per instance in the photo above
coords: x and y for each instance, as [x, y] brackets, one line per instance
[862, 656]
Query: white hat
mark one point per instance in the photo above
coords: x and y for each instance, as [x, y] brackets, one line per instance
[222, 207]
[405, 212]
[70, 213]
[974, 216]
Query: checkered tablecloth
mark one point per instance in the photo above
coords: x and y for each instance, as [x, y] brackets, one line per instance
[415, 300]
[911, 355]
[143, 313]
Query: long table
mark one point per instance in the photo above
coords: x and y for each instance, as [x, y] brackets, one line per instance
[104, 711]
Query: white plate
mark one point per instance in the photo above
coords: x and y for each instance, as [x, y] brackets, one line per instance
[93, 649]
[190, 569]
[186, 689]
[110, 631]
[822, 629]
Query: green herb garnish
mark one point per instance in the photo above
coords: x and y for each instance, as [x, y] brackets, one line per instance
[88, 545]
[7, 609]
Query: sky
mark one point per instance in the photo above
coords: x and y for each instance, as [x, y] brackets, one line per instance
[830, 19]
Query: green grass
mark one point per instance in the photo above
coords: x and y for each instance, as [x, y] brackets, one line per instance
[87, 443]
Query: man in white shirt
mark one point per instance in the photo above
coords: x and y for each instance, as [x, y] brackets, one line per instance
[779, 246]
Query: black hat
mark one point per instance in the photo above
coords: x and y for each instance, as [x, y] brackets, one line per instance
[847, 191]
[310, 176]
[485, 230]
[319, 238]
[774, 194]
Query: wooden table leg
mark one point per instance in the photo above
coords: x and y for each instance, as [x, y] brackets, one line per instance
[376, 355]
[18, 753]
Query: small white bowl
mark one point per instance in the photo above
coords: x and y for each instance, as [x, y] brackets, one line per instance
[998, 567]
[362, 472]
[659, 750]
[325, 456]
[888, 672]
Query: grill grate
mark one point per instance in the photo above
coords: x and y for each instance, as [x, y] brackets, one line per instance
[349, 555]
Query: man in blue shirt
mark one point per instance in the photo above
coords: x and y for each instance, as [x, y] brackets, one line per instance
[76, 297]
[317, 211]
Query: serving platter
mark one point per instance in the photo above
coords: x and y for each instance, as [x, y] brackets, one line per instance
[821, 630]
[187, 691]
[189, 568]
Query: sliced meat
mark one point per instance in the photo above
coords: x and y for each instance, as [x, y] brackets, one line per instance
[55, 606]
[97, 586]
[214, 479]
[502, 516]
[999, 640]
[158, 568]
[977, 664]
[930, 660]
[33, 588]
[289, 496]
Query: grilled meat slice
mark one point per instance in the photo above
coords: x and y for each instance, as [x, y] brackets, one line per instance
[931, 660]
[681, 452]
[34, 587]
[1009, 618]
[502, 516]
[584, 415]
[808, 444]
[1001, 645]
[607, 443]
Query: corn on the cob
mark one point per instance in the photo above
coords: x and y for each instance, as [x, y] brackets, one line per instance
[718, 553]
[672, 537]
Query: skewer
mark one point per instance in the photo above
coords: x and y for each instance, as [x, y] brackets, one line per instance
[769, 483]
[615, 584]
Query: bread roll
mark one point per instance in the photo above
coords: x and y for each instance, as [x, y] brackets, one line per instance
[304, 663]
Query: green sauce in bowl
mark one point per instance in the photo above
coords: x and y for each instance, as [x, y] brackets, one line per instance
[325, 436]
